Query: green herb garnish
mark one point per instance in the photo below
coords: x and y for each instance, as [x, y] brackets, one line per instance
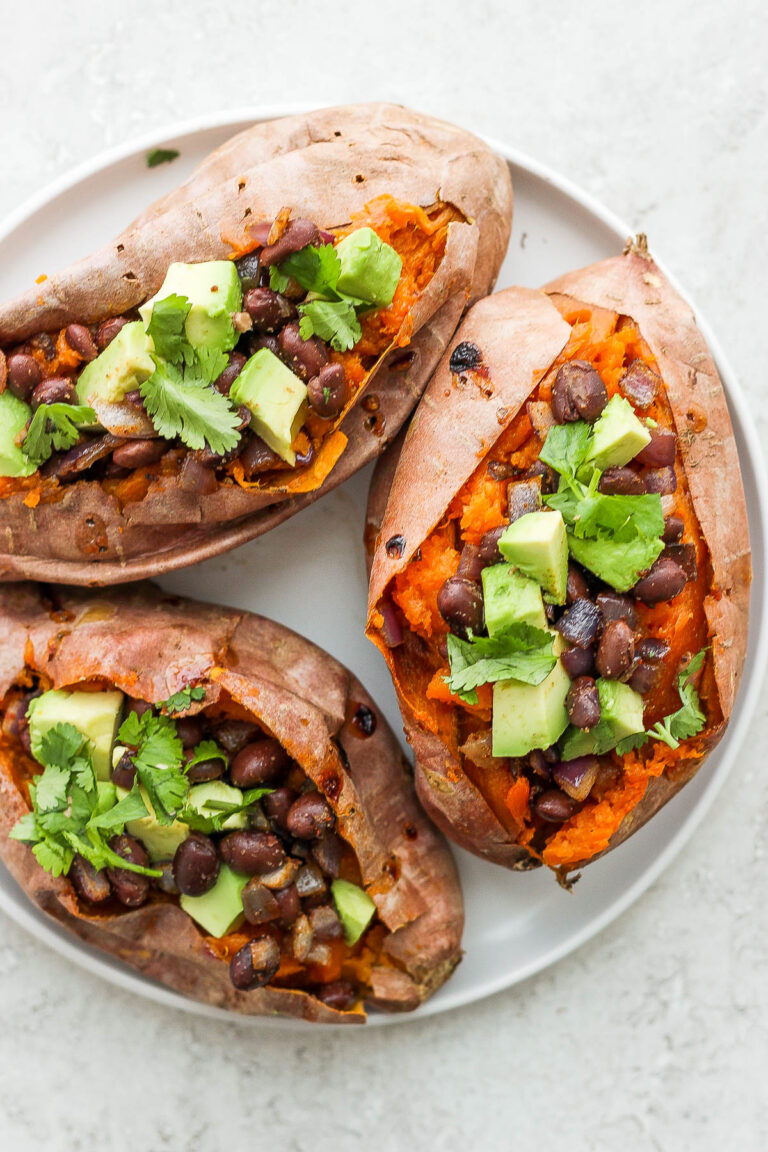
[520, 652]
[158, 758]
[687, 721]
[161, 156]
[181, 701]
[54, 428]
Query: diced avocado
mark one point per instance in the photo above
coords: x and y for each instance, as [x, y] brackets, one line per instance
[617, 435]
[204, 797]
[95, 714]
[536, 544]
[355, 909]
[370, 269]
[621, 715]
[213, 289]
[120, 368]
[528, 716]
[220, 909]
[14, 415]
[160, 840]
[511, 598]
[277, 400]
[106, 793]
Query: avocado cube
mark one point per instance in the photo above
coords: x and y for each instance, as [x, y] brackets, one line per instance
[214, 292]
[14, 415]
[621, 715]
[204, 797]
[617, 435]
[511, 598]
[276, 398]
[220, 909]
[95, 714]
[355, 909]
[528, 716]
[122, 367]
[536, 544]
[370, 269]
[160, 840]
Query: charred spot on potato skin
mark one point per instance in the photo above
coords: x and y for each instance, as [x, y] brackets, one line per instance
[343, 754]
[391, 868]
[375, 423]
[330, 785]
[401, 361]
[364, 721]
[91, 536]
[465, 356]
[411, 831]
[395, 547]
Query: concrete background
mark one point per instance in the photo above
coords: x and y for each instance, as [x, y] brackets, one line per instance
[654, 1036]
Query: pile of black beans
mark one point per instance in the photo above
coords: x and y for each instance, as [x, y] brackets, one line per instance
[269, 320]
[600, 625]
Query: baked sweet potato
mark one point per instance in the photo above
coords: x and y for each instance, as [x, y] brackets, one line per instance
[284, 716]
[126, 498]
[650, 550]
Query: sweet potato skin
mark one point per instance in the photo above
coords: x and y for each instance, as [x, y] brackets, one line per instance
[312, 164]
[150, 645]
[632, 285]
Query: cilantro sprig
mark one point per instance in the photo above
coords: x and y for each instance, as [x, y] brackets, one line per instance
[687, 721]
[157, 754]
[54, 428]
[520, 652]
[217, 812]
[329, 314]
[181, 701]
[66, 818]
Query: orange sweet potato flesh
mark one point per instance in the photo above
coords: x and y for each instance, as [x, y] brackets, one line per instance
[440, 195]
[608, 314]
[150, 645]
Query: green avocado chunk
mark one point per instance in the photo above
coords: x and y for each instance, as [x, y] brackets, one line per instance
[621, 715]
[220, 909]
[203, 797]
[355, 909]
[276, 398]
[214, 292]
[370, 269]
[536, 544]
[160, 840]
[14, 415]
[122, 367]
[511, 598]
[617, 435]
[528, 716]
[95, 714]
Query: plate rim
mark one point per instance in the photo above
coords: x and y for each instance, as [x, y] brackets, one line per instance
[91, 959]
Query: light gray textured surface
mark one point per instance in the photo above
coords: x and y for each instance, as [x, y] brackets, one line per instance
[655, 1036]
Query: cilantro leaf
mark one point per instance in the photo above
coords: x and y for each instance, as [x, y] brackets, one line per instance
[166, 328]
[619, 563]
[315, 268]
[189, 409]
[181, 701]
[54, 857]
[566, 446]
[131, 807]
[687, 721]
[334, 321]
[51, 788]
[206, 750]
[53, 428]
[161, 156]
[219, 811]
[158, 761]
[518, 653]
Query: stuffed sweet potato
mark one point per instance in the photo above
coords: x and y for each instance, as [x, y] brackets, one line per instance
[561, 568]
[218, 803]
[246, 344]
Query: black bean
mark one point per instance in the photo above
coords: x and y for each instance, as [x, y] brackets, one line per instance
[278, 804]
[539, 766]
[130, 888]
[259, 904]
[249, 269]
[644, 677]
[195, 865]
[23, 374]
[665, 580]
[255, 964]
[650, 648]
[640, 384]
[460, 603]
[660, 480]
[257, 457]
[673, 529]
[583, 702]
[89, 884]
[81, 341]
[309, 817]
[685, 555]
[124, 772]
[223, 383]
[622, 482]
[195, 478]
[298, 234]
[577, 587]
[139, 453]
[233, 735]
[339, 994]
[205, 770]
[258, 763]
[69, 465]
[579, 624]
[662, 449]
[190, 730]
[523, 496]
[138, 707]
[578, 661]
[488, 548]
[578, 393]
[252, 852]
[577, 777]
[498, 470]
[54, 390]
[470, 563]
[554, 806]
[327, 392]
[305, 357]
[615, 650]
[615, 606]
[549, 478]
[268, 310]
[327, 850]
[108, 329]
[289, 905]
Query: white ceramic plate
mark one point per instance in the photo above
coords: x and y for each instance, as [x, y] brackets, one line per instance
[309, 572]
